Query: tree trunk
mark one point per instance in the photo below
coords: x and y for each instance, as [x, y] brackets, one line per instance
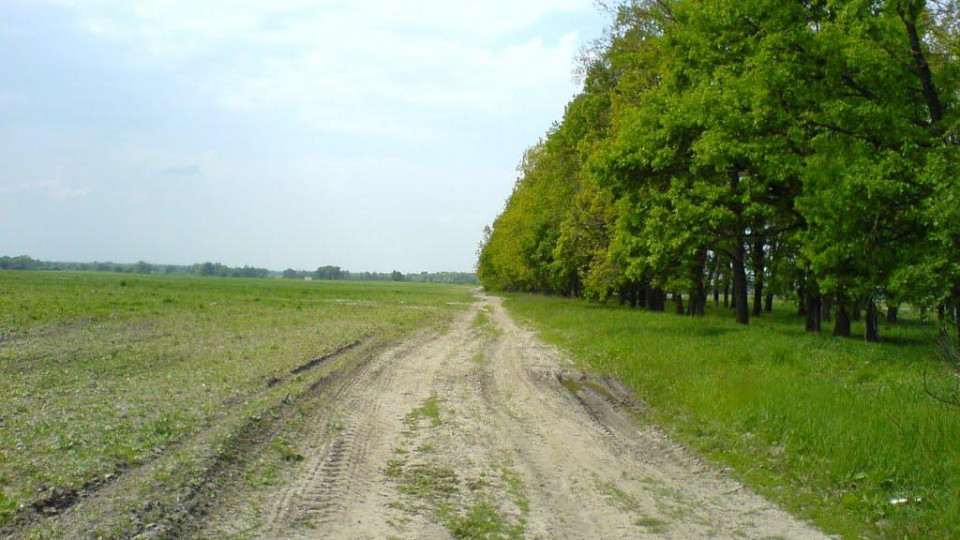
[825, 304]
[716, 293]
[841, 327]
[950, 310]
[756, 259]
[726, 288]
[740, 282]
[698, 293]
[956, 321]
[655, 299]
[757, 299]
[700, 306]
[872, 331]
[678, 301]
[892, 314]
[921, 68]
[801, 300]
[812, 302]
[769, 305]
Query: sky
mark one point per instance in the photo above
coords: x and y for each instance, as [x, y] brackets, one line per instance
[373, 135]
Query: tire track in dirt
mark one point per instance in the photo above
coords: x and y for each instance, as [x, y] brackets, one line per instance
[336, 471]
[600, 473]
[487, 426]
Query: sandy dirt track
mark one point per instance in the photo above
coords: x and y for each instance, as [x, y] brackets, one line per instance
[486, 430]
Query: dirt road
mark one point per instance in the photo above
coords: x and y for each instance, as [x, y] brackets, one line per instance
[486, 431]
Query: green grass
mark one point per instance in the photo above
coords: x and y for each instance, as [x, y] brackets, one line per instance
[484, 325]
[101, 372]
[430, 410]
[480, 521]
[652, 525]
[835, 430]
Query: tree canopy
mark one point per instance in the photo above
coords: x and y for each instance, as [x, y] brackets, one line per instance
[753, 148]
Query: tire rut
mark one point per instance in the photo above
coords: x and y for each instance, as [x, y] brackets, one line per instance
[513, 431]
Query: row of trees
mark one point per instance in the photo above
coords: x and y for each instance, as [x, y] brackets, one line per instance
[25, 262]
[337, 273]
[807, 149]
[212, 269]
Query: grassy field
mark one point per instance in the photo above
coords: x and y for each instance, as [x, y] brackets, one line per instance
[101, 373]
[838, 431]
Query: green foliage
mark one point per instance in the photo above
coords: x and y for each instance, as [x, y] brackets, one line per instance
[804, 148]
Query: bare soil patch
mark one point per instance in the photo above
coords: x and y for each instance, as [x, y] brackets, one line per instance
[485, 432]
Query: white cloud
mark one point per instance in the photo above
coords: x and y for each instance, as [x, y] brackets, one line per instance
[363, 68]
[49, 188]
[379, 134]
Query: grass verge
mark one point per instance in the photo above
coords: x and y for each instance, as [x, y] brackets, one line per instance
[837, 431]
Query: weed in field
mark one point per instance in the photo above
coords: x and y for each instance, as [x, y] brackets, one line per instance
[516, 489]
[652, 525]
[285, 450]
[482, 520]
[484, 325]
[429, 410]
[619, 498]
[8, 509]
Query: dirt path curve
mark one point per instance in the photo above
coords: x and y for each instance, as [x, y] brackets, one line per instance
[486, 431]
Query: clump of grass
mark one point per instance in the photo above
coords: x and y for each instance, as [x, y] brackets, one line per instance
[484, 325]
[838, 431]
[285, 450]
[652, 525]
[516, 489]
[8, 509]
[481, 520]
[430, 410]
[621, 499]
[428, 482]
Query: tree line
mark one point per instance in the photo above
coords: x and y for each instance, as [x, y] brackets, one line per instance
[750, 149]
[339, 274]
[212, 269]
[25, 262]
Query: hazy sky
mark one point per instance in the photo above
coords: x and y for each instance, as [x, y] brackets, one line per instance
[373, 135]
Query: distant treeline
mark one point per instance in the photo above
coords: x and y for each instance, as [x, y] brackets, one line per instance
[212, 269]
[336, 273]
[25, 262]
[808, 150]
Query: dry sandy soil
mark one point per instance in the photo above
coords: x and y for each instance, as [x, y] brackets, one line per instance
[487, 431]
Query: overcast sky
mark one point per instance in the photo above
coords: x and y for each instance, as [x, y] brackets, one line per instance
[373, 135]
